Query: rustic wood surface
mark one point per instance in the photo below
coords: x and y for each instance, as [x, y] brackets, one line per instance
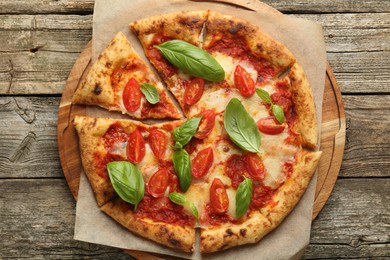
[39, 43]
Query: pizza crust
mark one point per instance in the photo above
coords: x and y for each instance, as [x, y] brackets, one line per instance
[260, 44]
[171, 235]
[304, 107]
[186, 26]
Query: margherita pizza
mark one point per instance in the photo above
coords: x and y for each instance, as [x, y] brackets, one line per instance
[240, 161]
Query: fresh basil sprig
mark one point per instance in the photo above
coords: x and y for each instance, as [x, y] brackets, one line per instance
[180, 199]
[241, 127]
[150, 92]
[243, 197]
[182, 165]
[127, 181]
[186, 131]
[276, 109]
[192, 60]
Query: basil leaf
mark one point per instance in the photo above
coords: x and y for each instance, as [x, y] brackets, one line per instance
[243, 197]
[264, 95]
[241, 127]
[278, 113]
[182, 166]
[192, 60]
[127, 181]
[180, 199]
[186, 131]
[150, 92]
[194, 210]
[177, 198]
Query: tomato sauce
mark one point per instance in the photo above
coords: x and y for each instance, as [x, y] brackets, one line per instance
[101, 163]
[163, 210]
[114, 134]
[261, 195]
[210, 217]
[236, 170]
[237, 47]
[164, 67]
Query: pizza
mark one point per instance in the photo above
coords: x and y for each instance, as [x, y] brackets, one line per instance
[120, 80]
[239, 161]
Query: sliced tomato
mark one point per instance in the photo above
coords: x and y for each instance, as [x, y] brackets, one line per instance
[206, 124]
[158, 183]
[135, 148]
[202, 162]
[254, 166]
[131, 96]
[244, 82]
[193, 91]
[269, 125]
[219, 200]
[158, 143]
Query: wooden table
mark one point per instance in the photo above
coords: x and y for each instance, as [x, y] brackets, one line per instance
[39, 43]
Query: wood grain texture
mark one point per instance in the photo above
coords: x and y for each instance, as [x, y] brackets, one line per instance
[338, 232]
[28, 137]
[293, 6]
[39, 50]
[363, 157]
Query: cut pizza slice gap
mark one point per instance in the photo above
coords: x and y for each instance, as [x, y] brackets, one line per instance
[120, 81]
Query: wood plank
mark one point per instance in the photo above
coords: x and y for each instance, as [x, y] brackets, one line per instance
[363, 157]
[30, 149]
[367, 151]
[36, 46]
[40, 224]
[293, 6]
[354, 223]
[37, 219]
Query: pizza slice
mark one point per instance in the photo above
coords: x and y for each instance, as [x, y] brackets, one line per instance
[120, 81]
[184, 26]
[115, 145]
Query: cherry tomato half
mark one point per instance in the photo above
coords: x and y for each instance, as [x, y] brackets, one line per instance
[219, 200]
[269, 125]
[194, 91]
[158, 183]
[254, 166]
[206, 124]
[244, 82]
[158, 143]
[131, 96]
[135, 148]
[202, 162]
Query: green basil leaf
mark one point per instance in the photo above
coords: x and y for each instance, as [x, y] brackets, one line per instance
[192, 60]
[241, 127]
[127, 181]
[177, 198]
[186, 131]
[194, 210]
[264, 95]
[182, 165]
[278, 113]
[150, 92]
[177, 146]
[243, 197]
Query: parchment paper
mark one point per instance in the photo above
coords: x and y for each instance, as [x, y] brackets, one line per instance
[303, 38]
